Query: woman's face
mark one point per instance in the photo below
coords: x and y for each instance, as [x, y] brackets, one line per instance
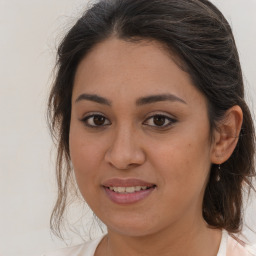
[139, 138]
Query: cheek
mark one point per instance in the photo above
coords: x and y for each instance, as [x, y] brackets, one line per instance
[183, 173]
[185, 160]
[85, 157]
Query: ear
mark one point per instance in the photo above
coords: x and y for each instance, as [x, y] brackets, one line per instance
[226, 135]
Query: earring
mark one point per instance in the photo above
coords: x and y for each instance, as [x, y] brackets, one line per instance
[218, 174]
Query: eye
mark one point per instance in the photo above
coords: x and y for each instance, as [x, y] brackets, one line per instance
[95, 120]
[161, 121]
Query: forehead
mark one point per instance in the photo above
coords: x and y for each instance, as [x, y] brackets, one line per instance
[117, 67]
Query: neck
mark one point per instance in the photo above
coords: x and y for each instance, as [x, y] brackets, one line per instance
[200, 240]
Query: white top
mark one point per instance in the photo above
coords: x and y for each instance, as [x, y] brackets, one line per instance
[228, 247]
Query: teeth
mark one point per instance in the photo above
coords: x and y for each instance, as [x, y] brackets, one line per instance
[119, 190]
[128, 189]
[138, 188]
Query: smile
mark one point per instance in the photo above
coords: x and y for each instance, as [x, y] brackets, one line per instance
[128, 189]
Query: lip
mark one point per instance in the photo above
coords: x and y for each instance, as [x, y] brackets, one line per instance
[117, 182]
[127, 198]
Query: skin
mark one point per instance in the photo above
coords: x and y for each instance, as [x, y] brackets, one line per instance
[130, 144]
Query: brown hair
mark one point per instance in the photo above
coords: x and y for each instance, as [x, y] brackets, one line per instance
[197, 32]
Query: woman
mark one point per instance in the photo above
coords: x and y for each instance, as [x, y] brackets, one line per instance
[148, 106]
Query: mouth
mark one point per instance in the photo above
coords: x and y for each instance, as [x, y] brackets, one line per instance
[127, 191]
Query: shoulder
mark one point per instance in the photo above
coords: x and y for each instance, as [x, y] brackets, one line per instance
[235, 248]
[85, 249]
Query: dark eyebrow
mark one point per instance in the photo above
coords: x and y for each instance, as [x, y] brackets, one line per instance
[95, 98]
[159, 97]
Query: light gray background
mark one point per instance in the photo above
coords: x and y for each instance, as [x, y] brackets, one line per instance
[29, 32]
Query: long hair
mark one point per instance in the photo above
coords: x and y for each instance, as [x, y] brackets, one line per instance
[201, 38]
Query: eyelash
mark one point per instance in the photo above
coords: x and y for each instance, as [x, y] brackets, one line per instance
[170, 121]
[87, 118]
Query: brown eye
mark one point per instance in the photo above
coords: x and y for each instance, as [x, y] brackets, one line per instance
[99, 120]
[159, 121]
[95, 121]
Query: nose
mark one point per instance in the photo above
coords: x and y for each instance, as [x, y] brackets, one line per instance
[125, 150]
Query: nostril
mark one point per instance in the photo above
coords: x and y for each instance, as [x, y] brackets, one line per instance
[124, 151]
[121, 166]
[123, 158]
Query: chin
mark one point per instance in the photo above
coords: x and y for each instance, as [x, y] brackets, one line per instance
[132, 226]
[131, 231]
